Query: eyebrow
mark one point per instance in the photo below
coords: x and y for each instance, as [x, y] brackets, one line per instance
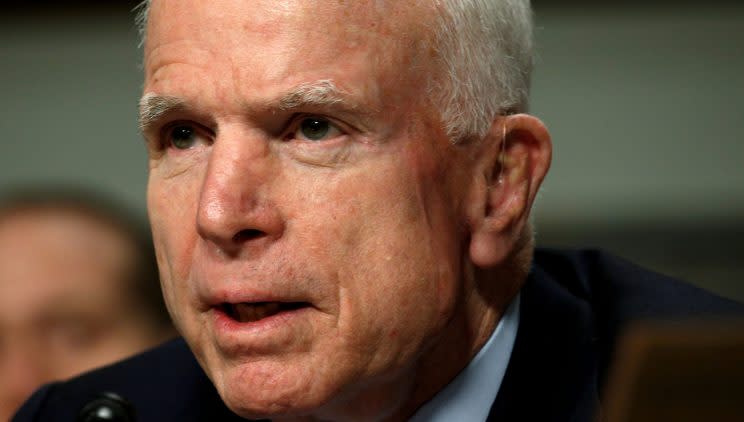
[320, 93]
[153, 106]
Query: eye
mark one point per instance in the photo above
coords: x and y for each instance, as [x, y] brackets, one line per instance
[316, 129]
[182, 136]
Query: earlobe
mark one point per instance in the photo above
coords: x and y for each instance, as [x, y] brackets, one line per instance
[513, 163]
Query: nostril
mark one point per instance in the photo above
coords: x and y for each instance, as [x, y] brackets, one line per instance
[248, 234]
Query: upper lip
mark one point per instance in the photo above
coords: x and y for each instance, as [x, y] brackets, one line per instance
[222, 299]
[212, 296]
[217, 285]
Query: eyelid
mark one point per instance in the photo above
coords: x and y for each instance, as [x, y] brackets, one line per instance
[184, 122]
[199, 130]
[296, 120]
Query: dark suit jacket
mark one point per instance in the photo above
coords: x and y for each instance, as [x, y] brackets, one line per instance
[573, 306]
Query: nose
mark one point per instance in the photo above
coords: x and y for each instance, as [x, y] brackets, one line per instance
[236, 210]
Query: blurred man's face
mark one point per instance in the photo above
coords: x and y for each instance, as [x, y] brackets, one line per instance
[309, 239]
[64, 307]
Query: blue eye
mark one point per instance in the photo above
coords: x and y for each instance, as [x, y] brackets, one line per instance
[182, 137]
[316, 129]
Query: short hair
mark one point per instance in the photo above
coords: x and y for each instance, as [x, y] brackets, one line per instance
[142, 278]
[485, 55]
[485, 51]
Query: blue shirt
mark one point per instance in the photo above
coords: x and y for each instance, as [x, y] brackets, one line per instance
[470, 395]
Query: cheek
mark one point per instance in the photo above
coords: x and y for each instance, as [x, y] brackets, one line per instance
[172, 205]
[173, 230]
[393, 253]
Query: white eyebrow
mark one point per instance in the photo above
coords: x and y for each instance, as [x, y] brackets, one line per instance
[319, 93]
[152, 106]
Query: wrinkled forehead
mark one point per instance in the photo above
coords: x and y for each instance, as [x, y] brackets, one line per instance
[407, 22]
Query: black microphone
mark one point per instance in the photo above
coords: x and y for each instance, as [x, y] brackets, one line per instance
[107, 407]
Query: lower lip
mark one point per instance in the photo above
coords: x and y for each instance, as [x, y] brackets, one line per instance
[231, 331]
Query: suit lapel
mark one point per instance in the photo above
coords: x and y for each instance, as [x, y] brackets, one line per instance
[552, 372]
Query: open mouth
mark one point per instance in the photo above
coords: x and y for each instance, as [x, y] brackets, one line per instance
[251, 312]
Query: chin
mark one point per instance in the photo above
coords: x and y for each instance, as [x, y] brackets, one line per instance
[255, 391]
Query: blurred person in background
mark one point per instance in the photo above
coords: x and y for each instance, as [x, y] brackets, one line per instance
[78, 289]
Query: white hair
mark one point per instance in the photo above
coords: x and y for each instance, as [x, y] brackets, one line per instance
[140, 19]
[485, 50]
[485, 54]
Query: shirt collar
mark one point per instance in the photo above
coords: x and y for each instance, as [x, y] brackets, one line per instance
[470, 395]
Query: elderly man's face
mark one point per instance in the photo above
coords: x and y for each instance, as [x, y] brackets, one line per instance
[307, 207]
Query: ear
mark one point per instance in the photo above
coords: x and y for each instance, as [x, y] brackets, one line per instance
[512, 162]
